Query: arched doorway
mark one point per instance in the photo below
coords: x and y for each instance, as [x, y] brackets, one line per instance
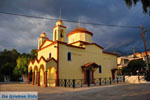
[51, 76]
[36, 74]
[89, 77]
[88, 70]
[41, 75]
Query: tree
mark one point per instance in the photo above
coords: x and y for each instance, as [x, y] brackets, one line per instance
[22, 63]
[145, 3]
[33, 53]
[14, 64]
[8, 63]
[134, 66]
[7, 69]
[22, 66]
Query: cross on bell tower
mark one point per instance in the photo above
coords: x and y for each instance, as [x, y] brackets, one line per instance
[59, 31]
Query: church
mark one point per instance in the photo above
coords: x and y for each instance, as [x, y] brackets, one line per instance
[70, 56]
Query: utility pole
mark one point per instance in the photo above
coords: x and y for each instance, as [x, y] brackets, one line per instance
[145, 47]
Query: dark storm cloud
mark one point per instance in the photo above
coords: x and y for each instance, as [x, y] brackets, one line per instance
[22, 33]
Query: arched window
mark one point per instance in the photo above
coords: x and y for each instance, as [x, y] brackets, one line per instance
[69, 56]
[61, 33]
[100, 69]
[50, 55]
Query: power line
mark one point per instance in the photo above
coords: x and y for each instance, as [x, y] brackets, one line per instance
[22, 15]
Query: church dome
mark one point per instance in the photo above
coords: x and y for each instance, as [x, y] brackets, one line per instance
[43, 34]
[80, 30]
[59, 22]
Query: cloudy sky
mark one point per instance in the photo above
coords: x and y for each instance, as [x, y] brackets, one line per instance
[22, 32]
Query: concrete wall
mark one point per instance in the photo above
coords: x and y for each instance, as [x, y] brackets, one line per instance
[46, 51]
[91, 53]
[134, 79]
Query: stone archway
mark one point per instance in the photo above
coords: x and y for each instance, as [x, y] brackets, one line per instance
[36, 75]
[51, 76]
[41, 75]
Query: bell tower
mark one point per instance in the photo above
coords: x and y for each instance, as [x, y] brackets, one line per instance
[41, 39]
[59, 31]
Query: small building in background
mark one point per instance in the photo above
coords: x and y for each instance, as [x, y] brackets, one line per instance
[123, 61]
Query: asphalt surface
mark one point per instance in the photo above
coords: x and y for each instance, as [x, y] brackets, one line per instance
[110, 92]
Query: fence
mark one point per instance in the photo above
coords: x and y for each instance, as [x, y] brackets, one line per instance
[74, 83]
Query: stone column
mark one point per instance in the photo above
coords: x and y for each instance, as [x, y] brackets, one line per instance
[33, 78]
[56, 81]
[85, 77]
[38, 78]
[93, 77]
[28, 78]
[45, 78]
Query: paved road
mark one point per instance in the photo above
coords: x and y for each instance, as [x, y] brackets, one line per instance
[112, 92]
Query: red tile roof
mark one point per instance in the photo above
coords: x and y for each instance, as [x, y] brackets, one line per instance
[60, 43]
[59, 21]
[44, 33]
[80, 30]
[110, 53]
[90, 64]
[45, 42]
[38, 61]
[87, 43]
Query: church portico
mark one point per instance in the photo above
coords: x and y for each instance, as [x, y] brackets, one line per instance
[42, 70]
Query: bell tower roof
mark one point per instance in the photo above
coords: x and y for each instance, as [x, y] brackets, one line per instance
[59, 22]
[41, 39]
[43, 34]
